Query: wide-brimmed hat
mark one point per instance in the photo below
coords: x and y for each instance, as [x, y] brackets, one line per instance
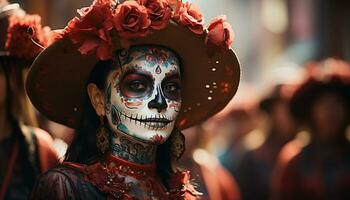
[22, 35]
[327, 76]
[57, 81]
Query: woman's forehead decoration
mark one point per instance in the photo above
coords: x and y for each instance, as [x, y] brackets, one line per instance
[154, 56]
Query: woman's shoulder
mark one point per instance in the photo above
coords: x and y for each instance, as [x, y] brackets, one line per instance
[67, 170]
[62, 182]
[47, 154]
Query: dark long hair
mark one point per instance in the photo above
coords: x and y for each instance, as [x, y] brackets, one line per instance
[84, 149]
[19, 111]
[18, 105]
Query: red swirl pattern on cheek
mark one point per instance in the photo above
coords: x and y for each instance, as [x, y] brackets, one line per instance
[132, 104]
[175, 105]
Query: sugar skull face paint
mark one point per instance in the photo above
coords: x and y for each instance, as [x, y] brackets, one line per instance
[143, 97]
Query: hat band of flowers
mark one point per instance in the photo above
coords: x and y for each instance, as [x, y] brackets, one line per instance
[107, 25]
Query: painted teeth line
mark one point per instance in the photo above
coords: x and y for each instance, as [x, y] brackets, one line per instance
[153, 117]
[155, 125]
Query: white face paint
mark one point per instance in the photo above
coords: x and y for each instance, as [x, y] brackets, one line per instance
[143, 97]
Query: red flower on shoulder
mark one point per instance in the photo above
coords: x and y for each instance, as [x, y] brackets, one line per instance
[189, 15]
[131, 20]
[18, 41]
[92, 30]
[220, 32]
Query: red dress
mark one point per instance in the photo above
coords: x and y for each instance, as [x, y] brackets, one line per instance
[111, 179]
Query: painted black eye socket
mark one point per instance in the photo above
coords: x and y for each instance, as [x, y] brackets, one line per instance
[135, 86]
[172, 89]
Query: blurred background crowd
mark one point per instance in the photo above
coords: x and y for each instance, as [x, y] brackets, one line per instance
[285, 134]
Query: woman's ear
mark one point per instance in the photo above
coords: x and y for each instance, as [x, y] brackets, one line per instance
[97, 99]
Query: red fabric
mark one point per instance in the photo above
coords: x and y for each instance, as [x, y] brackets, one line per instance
[60, 183]
[315, 174]
[109, 178]
[219, 182]
[47, 154]
[228, 186]
[287, 153]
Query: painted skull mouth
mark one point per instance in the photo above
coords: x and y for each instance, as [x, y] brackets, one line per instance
[155, 122]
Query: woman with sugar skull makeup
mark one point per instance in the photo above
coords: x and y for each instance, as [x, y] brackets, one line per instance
[128, 76]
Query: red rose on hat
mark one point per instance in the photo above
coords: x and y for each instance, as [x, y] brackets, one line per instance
[131, 20]
[189, 15]
[92, 30]
[159, 12]
[220, 32]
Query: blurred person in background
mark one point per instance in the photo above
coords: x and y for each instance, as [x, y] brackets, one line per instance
[321, 169]
[255, 168]
[25, 151]
[236, 124]
[212, 179]
[62, 135]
